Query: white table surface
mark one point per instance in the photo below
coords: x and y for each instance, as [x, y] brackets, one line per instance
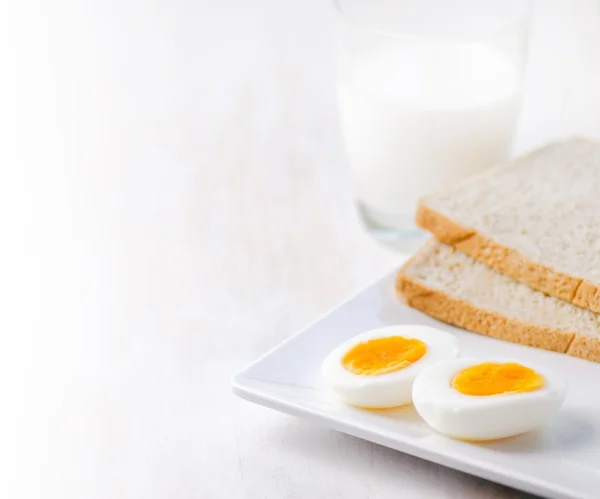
[178, 205]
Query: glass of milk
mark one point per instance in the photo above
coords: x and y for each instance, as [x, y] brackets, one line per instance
[430, 93]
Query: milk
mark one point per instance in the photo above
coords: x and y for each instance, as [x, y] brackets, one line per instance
[422, 116]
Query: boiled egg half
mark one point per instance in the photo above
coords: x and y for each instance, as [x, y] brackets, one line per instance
[376, 369]
[473, 399]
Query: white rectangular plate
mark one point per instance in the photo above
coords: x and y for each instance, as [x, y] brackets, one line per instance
[561, 460]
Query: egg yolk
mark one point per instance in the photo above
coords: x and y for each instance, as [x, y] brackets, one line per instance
[490, 378]
[383, 355]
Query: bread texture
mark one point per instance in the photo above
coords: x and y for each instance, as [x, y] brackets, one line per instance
[536, 220]
[452, 287]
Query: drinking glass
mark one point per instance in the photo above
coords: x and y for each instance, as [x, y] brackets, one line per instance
[429, 93]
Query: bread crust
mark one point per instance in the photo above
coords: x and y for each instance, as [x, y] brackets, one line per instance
[585, 347]
[509, 261]
[463, 314]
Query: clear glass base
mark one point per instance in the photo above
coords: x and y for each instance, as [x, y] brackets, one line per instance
[396, 231]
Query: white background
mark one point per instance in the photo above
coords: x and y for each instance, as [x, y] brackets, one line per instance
[173, 202]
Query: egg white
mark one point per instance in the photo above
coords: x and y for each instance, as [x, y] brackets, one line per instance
[486, 417]
[390, 389]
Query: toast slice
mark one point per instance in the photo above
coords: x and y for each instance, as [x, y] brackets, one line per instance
[536, 220]
[450, 286]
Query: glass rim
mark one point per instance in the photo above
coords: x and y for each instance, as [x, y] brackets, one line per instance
[343, 15]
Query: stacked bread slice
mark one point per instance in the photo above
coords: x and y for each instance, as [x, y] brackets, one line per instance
[516, 253]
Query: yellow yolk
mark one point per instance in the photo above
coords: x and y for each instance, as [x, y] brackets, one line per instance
[383, 355]
[490, 378]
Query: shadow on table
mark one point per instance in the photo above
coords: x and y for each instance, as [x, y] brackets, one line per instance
[349, 454]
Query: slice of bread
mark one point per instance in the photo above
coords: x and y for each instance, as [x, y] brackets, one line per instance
[450, 286]
[536, 220]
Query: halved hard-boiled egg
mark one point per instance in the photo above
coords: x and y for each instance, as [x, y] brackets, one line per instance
[376, 369]
[474, 399]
